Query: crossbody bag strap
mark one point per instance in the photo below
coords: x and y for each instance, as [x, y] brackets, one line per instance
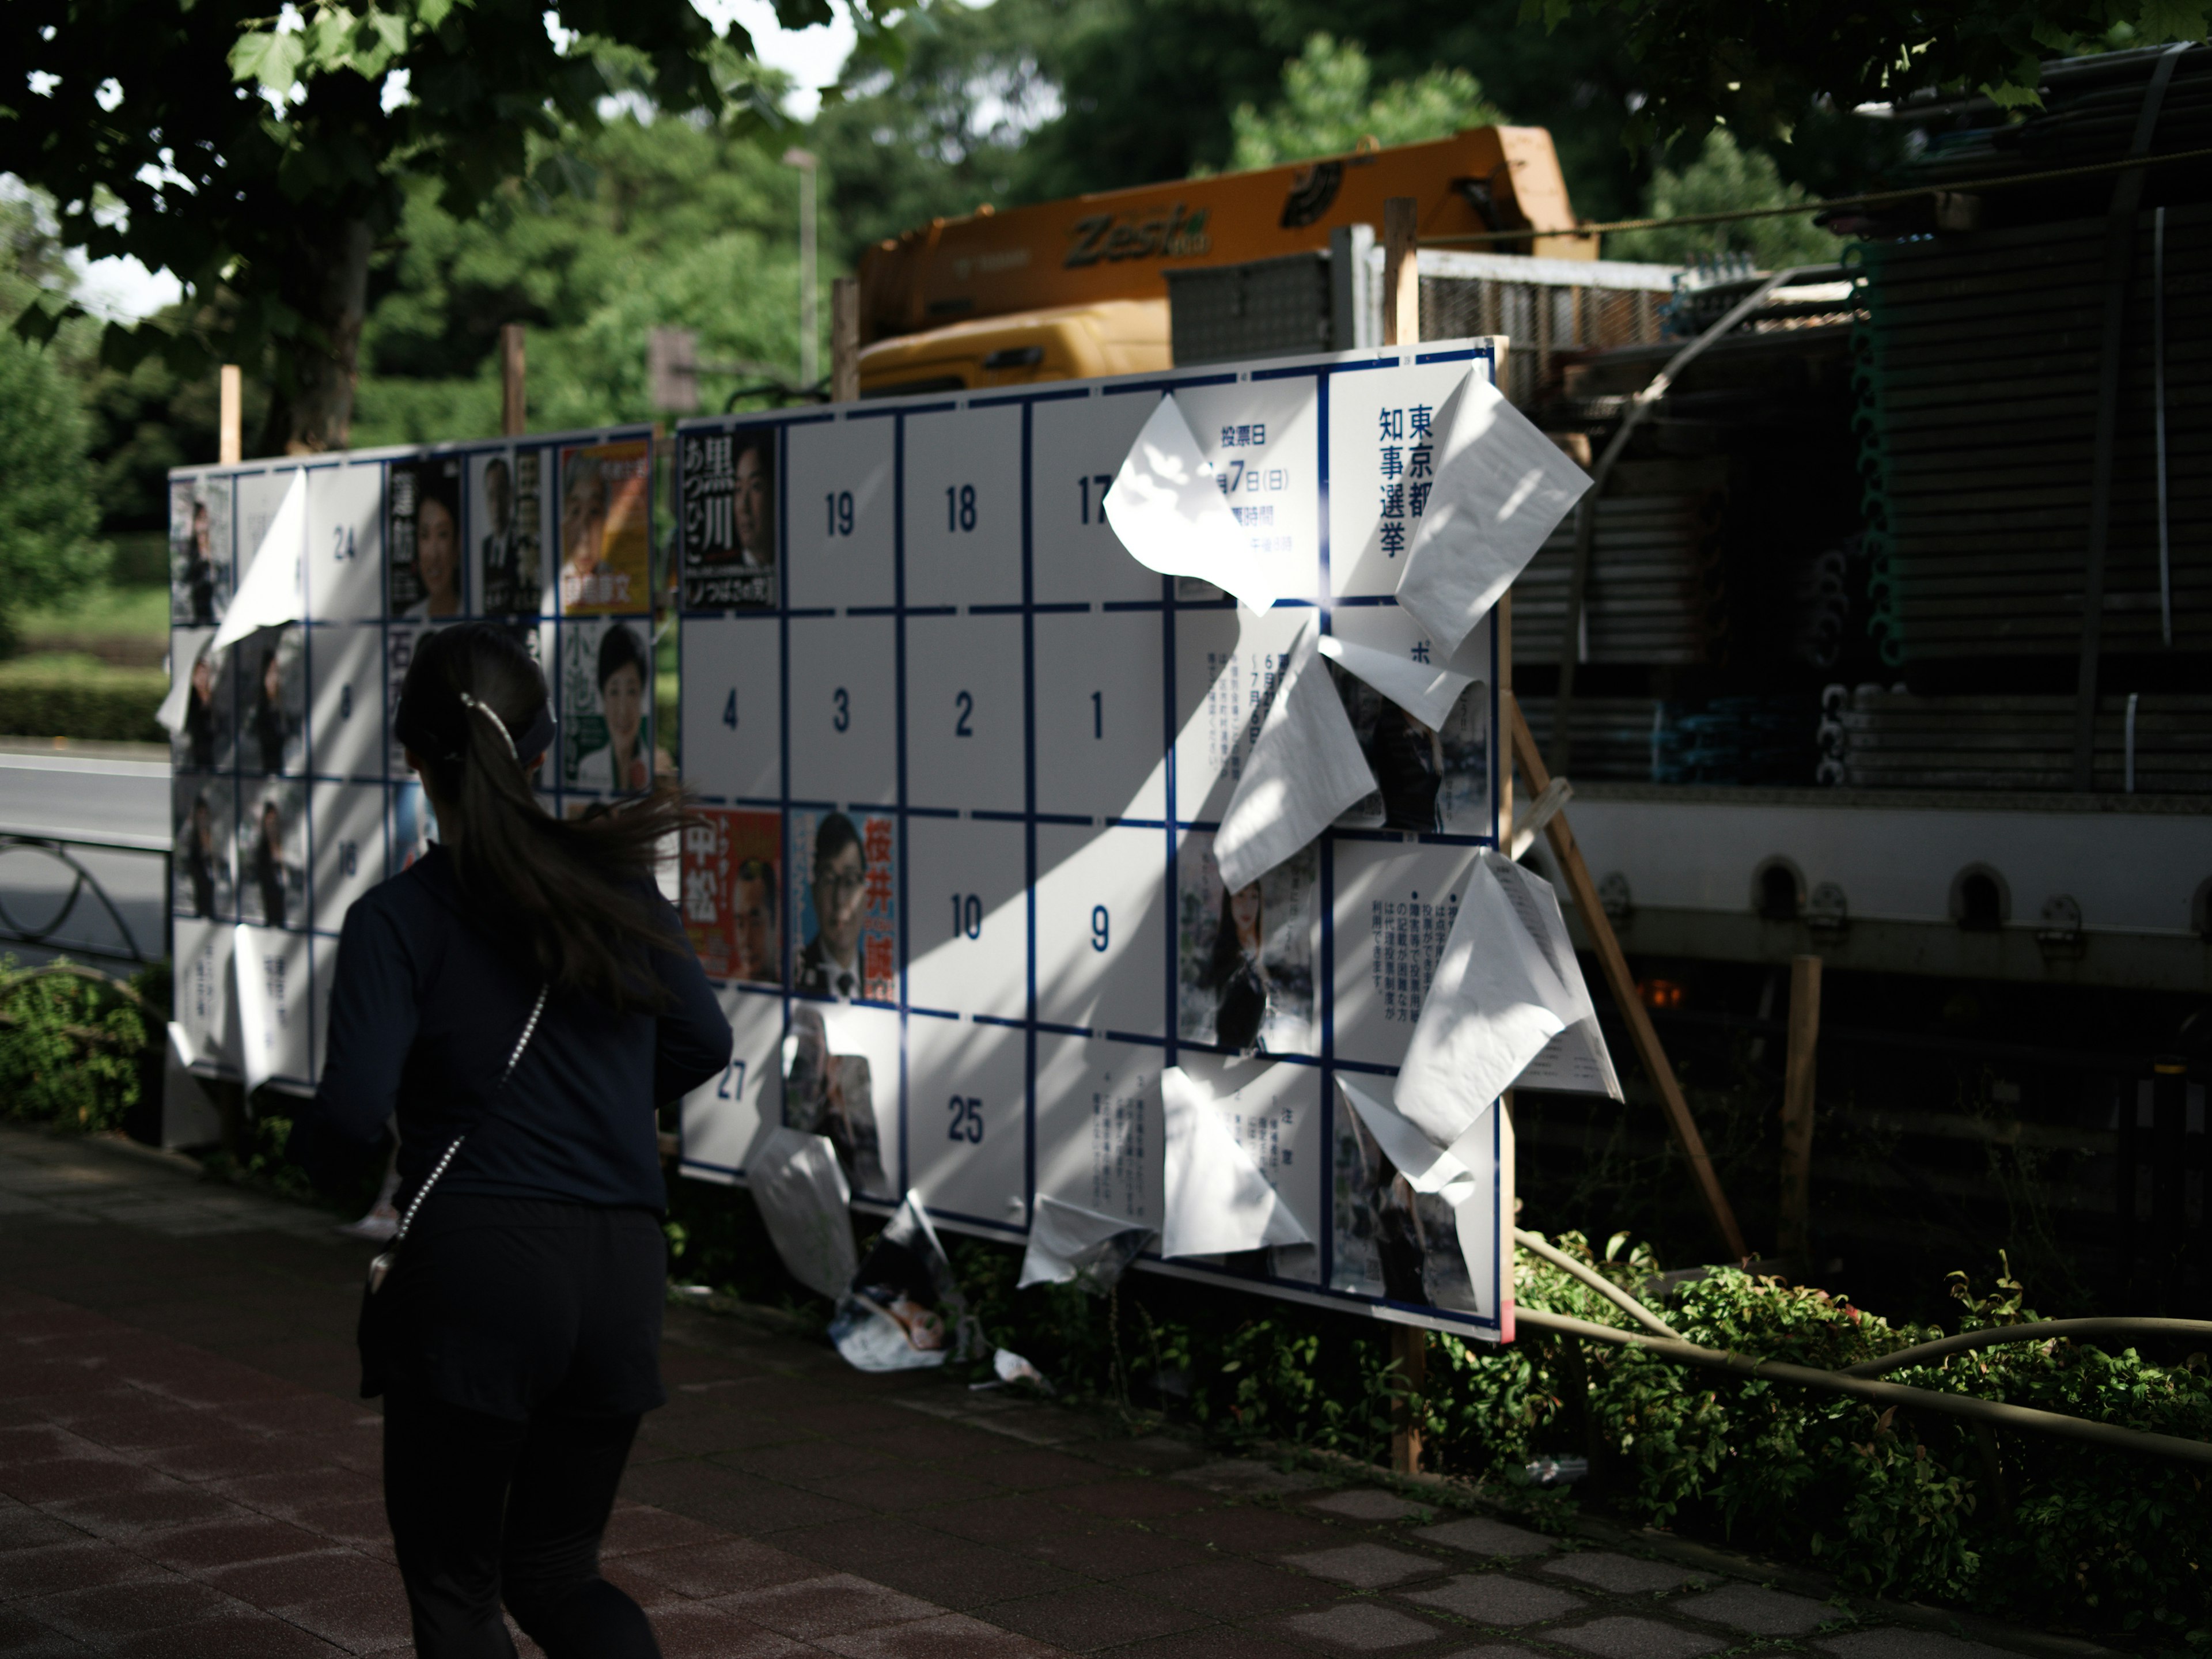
[529, 1029]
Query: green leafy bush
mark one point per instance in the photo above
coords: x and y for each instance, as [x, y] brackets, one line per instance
[69, 1045]
[58, 696]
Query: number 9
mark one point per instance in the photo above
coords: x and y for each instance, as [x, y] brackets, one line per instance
[1100, 928]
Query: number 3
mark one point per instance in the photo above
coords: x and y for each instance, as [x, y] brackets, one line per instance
[843, 719]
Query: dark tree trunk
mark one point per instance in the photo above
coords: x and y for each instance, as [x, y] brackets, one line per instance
[327, 283]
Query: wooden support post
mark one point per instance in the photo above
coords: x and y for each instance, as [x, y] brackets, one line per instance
[513, 401]
[1402, 271]
[1409, 1347]
[1794, 1237]
[845, 340]
[1582, 891]
[230, 415]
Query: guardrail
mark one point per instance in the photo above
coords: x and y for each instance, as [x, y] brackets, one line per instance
[60, 849]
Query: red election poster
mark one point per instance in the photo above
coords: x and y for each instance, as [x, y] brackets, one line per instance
[731, 893]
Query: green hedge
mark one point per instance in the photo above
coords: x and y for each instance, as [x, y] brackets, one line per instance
[66, 697]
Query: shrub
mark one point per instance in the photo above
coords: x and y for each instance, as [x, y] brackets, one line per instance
[58, 696]
[70, 1039]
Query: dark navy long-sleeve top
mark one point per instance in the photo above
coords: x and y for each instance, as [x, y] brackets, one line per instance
[425, 1010]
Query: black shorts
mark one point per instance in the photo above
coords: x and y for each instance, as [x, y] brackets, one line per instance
[514, 1306]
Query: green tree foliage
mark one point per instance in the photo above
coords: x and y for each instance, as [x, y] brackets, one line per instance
[1327, 108]
[1724, 178]
[1760, 64]
[47, 514]
[263, 163]
[674, 222]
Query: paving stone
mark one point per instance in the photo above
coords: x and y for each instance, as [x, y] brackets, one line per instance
[1364, 1626]
[1477, 1536]
[1623, 1574]
[1497, 1598]
[1893, 1643]
[1625, 1637]
[1094, 1617]
[815, 1607]
[1761, 1612]
[951, 1636]
[1368, 1504]
[1242, 1477]
[1365, 1566]
[1493, 1650]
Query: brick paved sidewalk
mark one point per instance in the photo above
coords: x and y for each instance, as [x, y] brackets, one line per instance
[187, 1472]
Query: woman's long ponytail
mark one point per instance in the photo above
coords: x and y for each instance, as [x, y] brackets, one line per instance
[576, 894]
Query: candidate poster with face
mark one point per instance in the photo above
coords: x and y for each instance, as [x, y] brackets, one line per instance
[1390, 1240]
[273, 674]
[844, 881]
[422, 541]
[731, 892]
[272, 874]
[507, 524]
[606, 528]
[728, 507]
[204, 882]
[1245, 960]
[606, 706]
[203, 742]
[199, 550]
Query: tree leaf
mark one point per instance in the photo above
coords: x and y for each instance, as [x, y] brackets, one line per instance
[271, 59]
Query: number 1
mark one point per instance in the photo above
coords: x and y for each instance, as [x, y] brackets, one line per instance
[1098, 713]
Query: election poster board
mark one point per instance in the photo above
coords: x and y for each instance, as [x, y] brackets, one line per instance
[963, 760]
[290, 798]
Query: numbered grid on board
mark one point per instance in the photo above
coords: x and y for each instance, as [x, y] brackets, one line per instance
[398, 543]
[1032, 737]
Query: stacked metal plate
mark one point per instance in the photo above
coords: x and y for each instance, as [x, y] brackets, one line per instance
[1977, 375]
[2152, 744]
[1655, 593]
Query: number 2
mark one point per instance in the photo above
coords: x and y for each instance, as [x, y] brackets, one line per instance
[967, 1120]
[966, 705]
[843, 719]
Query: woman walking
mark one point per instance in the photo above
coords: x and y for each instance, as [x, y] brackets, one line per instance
[523, 998]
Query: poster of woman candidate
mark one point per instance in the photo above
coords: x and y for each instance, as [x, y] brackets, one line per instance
[606, 706]
[1391, 1241]
[273, 668]
[204, 885]
[199, 550]
[203, 743]
[606, 528]
[1428, 779]
[732, 891]
[844, 888]
[272, 877]
[422, 541]
[728, 506]
[1244, 961]
[507, 522]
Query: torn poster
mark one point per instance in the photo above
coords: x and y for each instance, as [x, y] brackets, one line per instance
[1071, 1245]
[1501, 487]
[803, 1198]
[1576, 1061]
[1305, 768]
[1168, 508]
[904, 1310]
[1492, 1005]
[1426, 1167]
[274, 590]
[1423, 689]
[1218, 1201]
